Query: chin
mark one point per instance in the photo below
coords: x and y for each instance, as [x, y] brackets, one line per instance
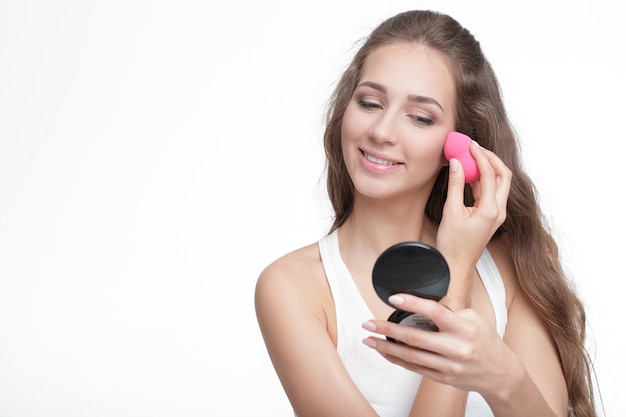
[376, 191]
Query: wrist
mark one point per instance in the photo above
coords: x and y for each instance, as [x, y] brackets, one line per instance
[459, 294]
[456, 303]
[510, 384]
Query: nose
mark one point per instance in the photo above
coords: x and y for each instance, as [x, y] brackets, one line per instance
[383, 128]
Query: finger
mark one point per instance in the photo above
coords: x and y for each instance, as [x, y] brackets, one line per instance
[456, 185]
[425, 363]
[503, 178]
[444, 318]
[445, 342]
[487, 181]
[398, 334]
[494, 186]
[409, 357]
[432, 356]
[502, 185]
[475, 186]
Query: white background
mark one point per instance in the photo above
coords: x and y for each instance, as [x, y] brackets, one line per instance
[156, 155]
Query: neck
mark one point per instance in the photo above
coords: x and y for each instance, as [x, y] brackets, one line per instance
[374, 225]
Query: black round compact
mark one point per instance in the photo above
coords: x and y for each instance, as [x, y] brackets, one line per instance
[414, 268]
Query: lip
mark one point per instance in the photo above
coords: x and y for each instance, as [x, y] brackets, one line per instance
[375, 167]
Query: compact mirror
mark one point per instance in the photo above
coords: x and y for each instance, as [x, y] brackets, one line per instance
[414, 268]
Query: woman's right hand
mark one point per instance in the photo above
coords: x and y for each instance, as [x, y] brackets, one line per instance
[464, 232]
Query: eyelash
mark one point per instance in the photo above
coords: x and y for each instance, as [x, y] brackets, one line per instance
[422, 121]
[369, 105]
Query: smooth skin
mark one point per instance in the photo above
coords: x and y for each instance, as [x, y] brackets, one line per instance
[401, 112]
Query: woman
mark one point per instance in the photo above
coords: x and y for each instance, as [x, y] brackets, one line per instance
[511, 330]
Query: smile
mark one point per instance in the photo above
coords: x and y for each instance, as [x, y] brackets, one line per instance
[376, 160]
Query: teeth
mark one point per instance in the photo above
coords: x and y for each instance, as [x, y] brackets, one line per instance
[378, 160]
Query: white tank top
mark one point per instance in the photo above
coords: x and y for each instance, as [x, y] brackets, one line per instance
[389, 388]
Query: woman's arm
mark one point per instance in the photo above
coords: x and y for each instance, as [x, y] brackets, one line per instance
[521, 377]
[538, 385]
[462, 236]
[435, 399]
[291, 306]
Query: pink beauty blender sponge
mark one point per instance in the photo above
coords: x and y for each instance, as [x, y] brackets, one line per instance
[457, 146]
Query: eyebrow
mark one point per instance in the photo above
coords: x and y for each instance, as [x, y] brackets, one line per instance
[411, 97]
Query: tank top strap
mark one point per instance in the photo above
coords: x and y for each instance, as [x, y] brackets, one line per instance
[492, 280]
[340, 280]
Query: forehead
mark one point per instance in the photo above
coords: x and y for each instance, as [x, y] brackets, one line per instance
[408, 68]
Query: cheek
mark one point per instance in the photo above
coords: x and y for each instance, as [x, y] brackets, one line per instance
[349, 124]
[352, 129]
[429, 153]
[346, 133]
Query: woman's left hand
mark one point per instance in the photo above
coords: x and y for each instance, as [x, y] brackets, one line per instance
[465, 353]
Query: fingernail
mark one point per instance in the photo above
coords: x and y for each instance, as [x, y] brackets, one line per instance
[454, 165]
[396, 299]
[368, 325]
[369, 342]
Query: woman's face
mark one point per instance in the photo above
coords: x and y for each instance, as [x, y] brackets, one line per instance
[397, 120]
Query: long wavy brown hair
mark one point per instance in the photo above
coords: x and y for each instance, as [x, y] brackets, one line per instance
[481, 115]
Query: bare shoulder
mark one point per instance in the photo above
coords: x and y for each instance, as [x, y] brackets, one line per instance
[300, 268]
[296, 315]
[500, 250]
[295, 284]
